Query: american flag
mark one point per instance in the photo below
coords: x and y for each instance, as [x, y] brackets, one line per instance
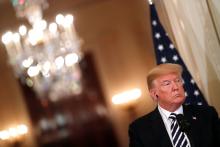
[167, 53]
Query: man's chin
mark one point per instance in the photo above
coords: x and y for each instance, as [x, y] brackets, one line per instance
[179, 99]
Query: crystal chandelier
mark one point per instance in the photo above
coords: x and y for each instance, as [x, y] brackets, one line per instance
[45, 55]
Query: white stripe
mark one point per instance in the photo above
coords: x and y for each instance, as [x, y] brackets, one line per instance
[184, 141]
[176, 132]
[178, 138]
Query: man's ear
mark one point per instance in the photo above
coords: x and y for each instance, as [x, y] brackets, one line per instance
[153, 94]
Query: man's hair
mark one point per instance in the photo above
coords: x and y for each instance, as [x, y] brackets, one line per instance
[162, 69]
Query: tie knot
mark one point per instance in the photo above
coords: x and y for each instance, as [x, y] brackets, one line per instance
[172, 116]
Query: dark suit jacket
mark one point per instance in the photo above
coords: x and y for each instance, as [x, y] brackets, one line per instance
[150, 131]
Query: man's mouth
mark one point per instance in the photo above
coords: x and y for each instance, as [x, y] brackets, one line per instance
[177, 95]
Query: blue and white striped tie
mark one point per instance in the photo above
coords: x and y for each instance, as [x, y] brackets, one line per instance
[179, 137]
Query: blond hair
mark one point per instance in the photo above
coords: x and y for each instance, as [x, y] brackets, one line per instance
[163, 69]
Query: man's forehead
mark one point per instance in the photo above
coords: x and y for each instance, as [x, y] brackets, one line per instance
[169, 76]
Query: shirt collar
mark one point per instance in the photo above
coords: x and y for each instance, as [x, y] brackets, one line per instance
[167, 113]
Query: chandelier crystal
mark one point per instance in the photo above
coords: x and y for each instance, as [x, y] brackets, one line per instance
[46, 56]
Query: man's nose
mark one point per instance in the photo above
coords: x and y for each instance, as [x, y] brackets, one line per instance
[175, 85]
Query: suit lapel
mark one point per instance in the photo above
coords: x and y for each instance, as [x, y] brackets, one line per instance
[195, 128]
[160, 130]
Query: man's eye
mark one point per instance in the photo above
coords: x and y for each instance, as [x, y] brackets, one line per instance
[165, 83]
[178, 80]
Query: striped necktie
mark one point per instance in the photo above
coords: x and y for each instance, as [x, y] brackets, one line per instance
[179, 137]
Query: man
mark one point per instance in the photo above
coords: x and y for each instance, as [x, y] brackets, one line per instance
[173, 124]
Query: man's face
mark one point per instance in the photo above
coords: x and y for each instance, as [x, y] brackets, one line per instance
[168, 90]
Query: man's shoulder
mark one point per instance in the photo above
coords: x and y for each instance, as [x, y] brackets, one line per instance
[145, 119]
[200, 109]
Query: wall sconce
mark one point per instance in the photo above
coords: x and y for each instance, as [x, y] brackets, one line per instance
[127, 100]
[13, 135]
[150, 2]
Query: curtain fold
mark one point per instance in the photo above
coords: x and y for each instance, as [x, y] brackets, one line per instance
[195, 25]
